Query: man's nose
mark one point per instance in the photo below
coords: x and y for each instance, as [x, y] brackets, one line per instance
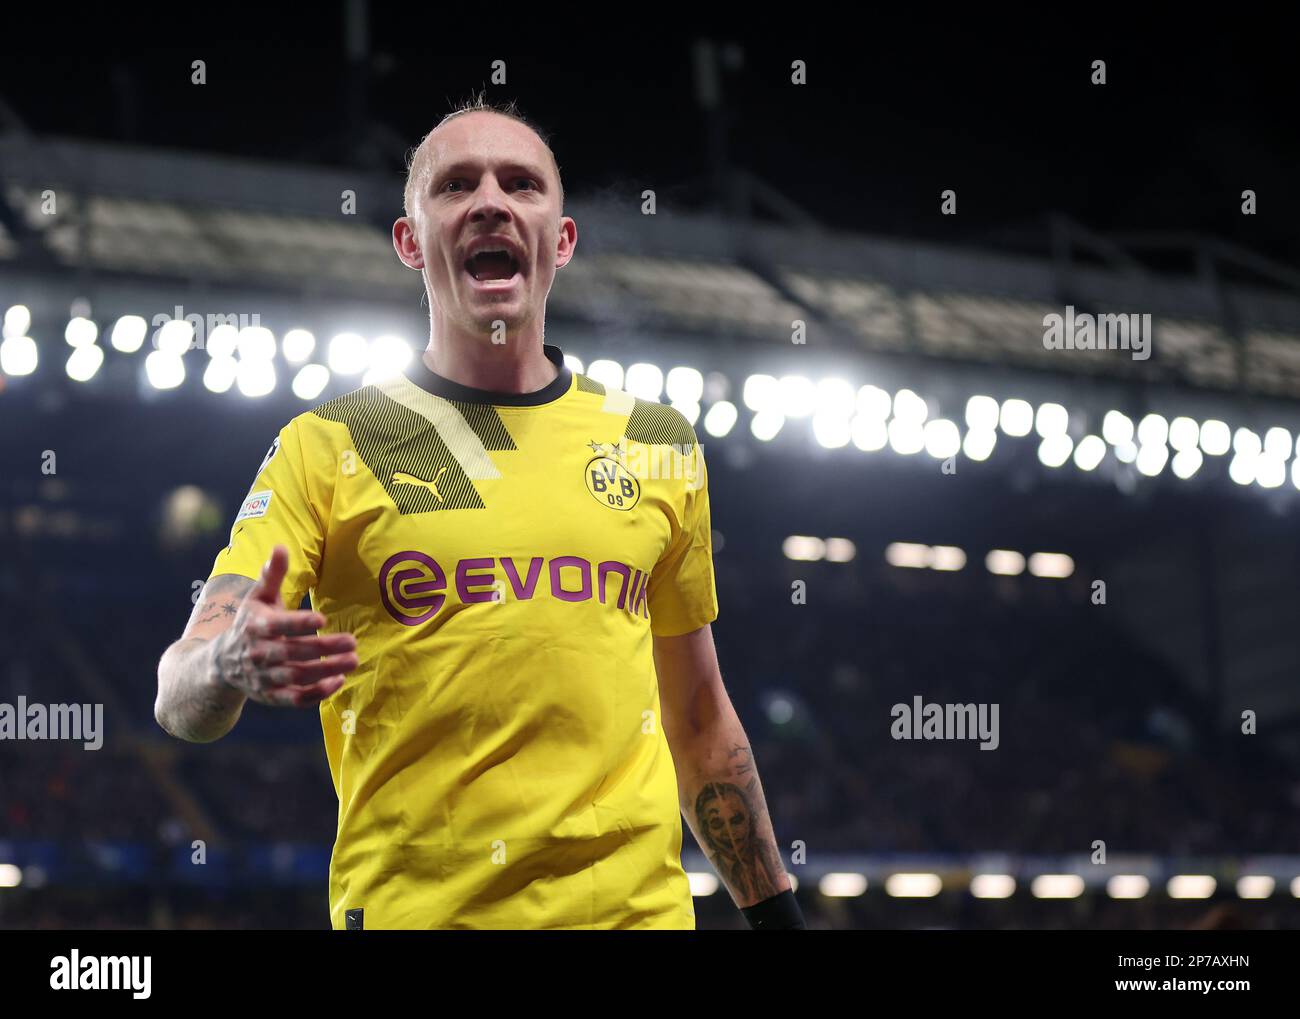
[489, 202]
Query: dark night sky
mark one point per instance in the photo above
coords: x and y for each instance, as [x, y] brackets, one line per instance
[894, 112]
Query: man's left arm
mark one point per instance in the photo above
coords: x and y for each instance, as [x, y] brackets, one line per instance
[717, 780]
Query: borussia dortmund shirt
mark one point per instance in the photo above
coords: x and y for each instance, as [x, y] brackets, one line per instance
[503, 561]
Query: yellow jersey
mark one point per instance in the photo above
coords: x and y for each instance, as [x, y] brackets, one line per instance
[503, 560]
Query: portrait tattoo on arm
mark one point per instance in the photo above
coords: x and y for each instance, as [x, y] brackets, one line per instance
[729, 816]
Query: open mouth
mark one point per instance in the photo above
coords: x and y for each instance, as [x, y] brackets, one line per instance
[493, 268]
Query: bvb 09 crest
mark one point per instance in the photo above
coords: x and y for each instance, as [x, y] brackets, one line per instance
[611, 484]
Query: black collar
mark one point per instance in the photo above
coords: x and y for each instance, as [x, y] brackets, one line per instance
[419, 373]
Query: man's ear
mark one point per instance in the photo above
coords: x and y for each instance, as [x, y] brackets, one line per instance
[406, 245]
[568, 242]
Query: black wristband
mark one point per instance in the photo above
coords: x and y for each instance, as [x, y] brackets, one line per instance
[779, 913]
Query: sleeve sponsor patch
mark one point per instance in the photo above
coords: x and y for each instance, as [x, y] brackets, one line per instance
[255, 505]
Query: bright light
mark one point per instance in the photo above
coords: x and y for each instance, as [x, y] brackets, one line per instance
[909, 408]
[797, 396]
[720, 419]
[18, 356]
[84, 362]
[220, 373]
[1295, 464]
[608, 373]
[256, 343]
[1089, 453]
[1216, 438]
[1191, 886]
[297, 345]
[645, 381]
[1054, 450]
[942, 439]
[11, 876]
[804, 548]
[842, 886]
[760, 393]
[993, 886]
[1116, 428]
[766, 423]
[1246, 441]
[906, 436]
[348, 354]
[982, 413]
[835, 396]
[256, 377]
[908, 555]
[1269, 472]
[874, 402]
[1056, 565]
[128, 333]
[81, 332]
[310, 380]
[1277, 443]
[574, 364]
[389, 356]
[690, 411]
[164, 370]
[702, 883]
[222, 341]
[1127, 886]
[840, 550]
[870, 433]
[1184, 433]
[1016, 418]
[979, 442]
[174, 337]
[18, 320]
[913, 886]
[1126, 452]
[1004, 562]
[1057, 886]
[1053, 419]
[1255, 886]
[685, 385]
[1187, 462]
[1151, 460]
[948, 558]
[1242, 468]
[1153, 430]
[831, 429]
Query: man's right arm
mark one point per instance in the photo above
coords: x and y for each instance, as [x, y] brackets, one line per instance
[241, 643]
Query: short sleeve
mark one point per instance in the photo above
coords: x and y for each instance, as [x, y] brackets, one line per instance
[682, 593]
[278, 510]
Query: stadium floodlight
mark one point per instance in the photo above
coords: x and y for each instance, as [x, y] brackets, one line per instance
[1255, 886]
[11, 875]
[796, 396]
[837, 885]
[1128, 886]
[982, 413]
[84, 362]
[1151, 460]
[831, 430]
[1004, 562]
[80, 332]
[835, 396]
[220, 373]
[1126, 452]
[1090, 452]
[256, 343]
[1241, 468]
[1270, 472]
[1191, 886]
[1248, 442]
[389, 355]
[1187, 462]
[993, 886]
[1056, 886]
[906, 436]
[869, 432]
[18, 356]
[766, 423]
[348, 354]
[255, 377]
[720, 419]
[690, 411]
[607, 372]
[1277, 443]
[129, 332]
[1052, 419]
[1117, 428]
[948, 558]
[164, 370]
[804, 548]
[574, 364]
[1016, 418]
[174, 337]
[298, 345]
[942, 439]
[779, 710]
[645, 381]
[760, 393]
[310, 381]
[908, 555]
[840, 550]
[978, 444]
[1295, 887]
[18, 320]
[913, 886]
[703, 884]
[223, 340]
[684, 385]
[1184, 433]
[910, 408]
[874, 402]
[1054, 565]
[1216, 437]
[1295, 464]
[1152, 430]
[1055, 450]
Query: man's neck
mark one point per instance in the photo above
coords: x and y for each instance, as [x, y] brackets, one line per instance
[519, 366]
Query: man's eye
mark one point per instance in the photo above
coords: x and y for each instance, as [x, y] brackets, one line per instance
[527, 180]
[447, 184]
